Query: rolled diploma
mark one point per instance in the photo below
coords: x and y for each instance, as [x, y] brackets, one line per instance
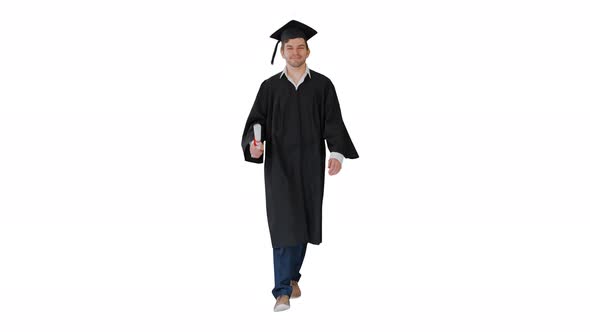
[257, 138]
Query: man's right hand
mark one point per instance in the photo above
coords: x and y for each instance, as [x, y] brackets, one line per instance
[256, 151]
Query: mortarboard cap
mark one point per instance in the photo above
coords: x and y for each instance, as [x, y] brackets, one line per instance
[293, 29]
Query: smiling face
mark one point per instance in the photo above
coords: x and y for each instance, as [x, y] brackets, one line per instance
[295, 52]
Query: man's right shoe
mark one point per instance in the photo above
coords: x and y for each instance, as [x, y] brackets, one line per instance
[282, 303]
[296, 290]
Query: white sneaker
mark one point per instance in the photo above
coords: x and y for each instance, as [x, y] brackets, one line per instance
[282, 303]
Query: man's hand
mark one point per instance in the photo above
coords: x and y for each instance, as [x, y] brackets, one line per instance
[334, 165]
[256, 151]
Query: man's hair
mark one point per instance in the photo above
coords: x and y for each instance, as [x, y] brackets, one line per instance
[284, 41]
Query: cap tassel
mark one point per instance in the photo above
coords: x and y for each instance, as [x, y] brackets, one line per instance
[274, 53]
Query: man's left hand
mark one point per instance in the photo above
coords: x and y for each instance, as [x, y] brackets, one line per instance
[334, 166]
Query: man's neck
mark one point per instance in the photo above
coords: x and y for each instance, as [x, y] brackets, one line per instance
[296, 72]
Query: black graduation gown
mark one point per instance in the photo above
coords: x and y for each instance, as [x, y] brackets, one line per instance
[294, 125]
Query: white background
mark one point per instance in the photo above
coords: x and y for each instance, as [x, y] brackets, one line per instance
[126, 203]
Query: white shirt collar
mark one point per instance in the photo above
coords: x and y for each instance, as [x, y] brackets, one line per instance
[307, 72]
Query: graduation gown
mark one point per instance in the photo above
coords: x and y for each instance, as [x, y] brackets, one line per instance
[296, 125]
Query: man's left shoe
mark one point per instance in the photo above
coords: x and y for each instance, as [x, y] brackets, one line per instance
[296, 290]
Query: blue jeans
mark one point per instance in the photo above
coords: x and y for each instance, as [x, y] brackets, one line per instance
[287, 264]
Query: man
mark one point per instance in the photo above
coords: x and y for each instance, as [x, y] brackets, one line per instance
[296, 111]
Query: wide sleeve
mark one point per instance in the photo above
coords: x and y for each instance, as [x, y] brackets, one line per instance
[335, 132]
[257, 115]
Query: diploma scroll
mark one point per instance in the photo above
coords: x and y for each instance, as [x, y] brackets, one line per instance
[257, 138]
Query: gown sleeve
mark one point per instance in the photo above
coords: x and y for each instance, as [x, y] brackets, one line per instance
[257, 115]
[335, 132]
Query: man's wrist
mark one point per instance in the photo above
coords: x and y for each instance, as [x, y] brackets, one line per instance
[338, 156]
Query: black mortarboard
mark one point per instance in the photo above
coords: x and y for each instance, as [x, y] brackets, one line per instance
[293, 29]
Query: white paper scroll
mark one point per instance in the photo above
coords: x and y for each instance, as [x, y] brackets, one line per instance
[257, 136]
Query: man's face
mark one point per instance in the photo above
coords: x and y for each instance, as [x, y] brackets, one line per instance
[295, 52]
